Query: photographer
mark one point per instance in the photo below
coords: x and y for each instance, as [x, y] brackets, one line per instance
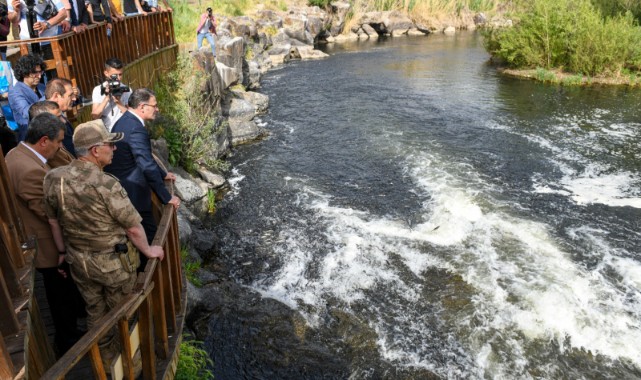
[110, 97]
[207, 29]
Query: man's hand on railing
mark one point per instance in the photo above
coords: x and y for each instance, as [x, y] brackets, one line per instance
[155, 252]
[80, 28]
[175, 201]
[66, 26]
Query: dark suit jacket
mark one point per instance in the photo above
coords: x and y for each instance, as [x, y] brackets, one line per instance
[82, 17]
[134, 164]
[27, 173]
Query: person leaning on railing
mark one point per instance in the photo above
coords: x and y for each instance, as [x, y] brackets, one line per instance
[92, 218]
[49, 14]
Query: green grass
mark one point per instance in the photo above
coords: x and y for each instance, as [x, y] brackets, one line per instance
[211, 201]
[191, 268]
[194, 361]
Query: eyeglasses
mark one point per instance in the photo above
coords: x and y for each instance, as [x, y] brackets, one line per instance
[36, 73]
[151, 105]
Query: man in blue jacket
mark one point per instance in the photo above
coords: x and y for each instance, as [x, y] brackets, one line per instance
[133, 163]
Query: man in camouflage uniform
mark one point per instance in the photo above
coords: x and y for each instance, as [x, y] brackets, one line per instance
[93, 213]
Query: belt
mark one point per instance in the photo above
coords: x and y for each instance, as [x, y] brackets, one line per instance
[93, 251]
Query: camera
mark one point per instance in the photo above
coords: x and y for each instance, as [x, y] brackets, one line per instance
[209, 11]
[116, 88]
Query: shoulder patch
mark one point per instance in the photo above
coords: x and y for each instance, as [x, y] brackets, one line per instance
[123, 192]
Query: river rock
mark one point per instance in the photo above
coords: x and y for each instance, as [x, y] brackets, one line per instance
[228, 76]
[371, 33]
[450, 30]
[184, 227]
[203, 240]
[238, 109]
[295, 26]
[188, 188]
[396, 21]
[194, 298]
[243, 131]
[346, 37]
[214, 179]
[308, 52]
[415, 32]
[161, 151]
[340, 9]
[253, 76]
[260, 101]
[398, 33]
[233, 55]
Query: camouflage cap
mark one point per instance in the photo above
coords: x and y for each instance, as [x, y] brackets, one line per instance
[93, 133]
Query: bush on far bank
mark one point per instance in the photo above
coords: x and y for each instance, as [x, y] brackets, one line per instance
[572, 35]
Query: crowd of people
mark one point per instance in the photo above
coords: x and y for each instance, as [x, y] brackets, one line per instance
[85, 194]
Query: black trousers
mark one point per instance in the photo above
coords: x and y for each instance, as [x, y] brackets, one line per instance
[66, 306]
[150, 227]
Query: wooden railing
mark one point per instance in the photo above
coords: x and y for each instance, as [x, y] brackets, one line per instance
[158, 299]
[81, 57]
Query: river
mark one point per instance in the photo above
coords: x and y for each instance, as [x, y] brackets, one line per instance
[414, 213]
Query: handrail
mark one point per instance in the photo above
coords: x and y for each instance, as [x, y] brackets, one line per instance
[157, 298]
[81, 57]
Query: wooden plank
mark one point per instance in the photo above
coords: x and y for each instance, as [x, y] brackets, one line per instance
[8, 320]
[96, 362]
[147, 341]
[128, 364]
[170, 306]
[160, 318]
[6, 364]
[11, 279]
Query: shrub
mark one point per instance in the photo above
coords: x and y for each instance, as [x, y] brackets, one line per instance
[188, 121]
[193, 361]
[568, 34]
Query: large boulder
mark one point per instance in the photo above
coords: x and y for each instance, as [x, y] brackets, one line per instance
[188, 188]
[228, 76]
[267, 20]
[346, 37]
[243, 26]
[253, 76]
[232, 54]
[238, 110]
[295, 26]
[216, 180]
[243, 131]
[396, 21]
[260, 101]
[371, 33]
[340, 9]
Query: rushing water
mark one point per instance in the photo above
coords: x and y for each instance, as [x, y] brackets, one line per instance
[475, 226]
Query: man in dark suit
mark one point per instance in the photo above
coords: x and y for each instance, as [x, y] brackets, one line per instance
[133, 163]
[27, 165]
[60, 91]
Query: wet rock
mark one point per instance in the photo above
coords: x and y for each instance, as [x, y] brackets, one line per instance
[346, 37]
[398, 33]
[369, 31]
[415, 32]
[215, 180]
[203, 240]
[194, 298]
[245, 131]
